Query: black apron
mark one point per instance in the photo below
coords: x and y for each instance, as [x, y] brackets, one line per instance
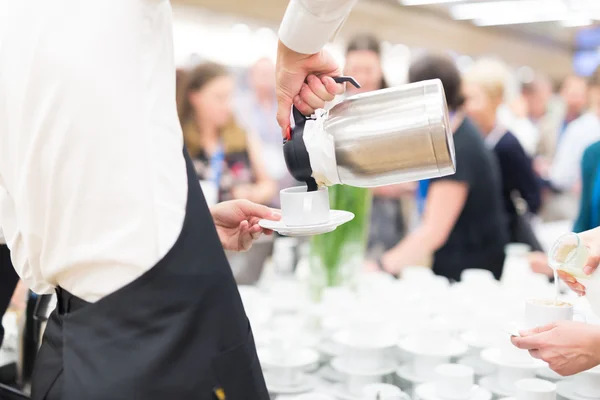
[178, 332]
[8, 283]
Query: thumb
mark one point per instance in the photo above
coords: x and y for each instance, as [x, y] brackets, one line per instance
[251, 209]
[591, 264]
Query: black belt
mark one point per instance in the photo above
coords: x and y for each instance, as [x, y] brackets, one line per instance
[67, 302]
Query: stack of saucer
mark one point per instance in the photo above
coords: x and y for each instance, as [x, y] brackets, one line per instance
[583, 386]
[366, 357]
[427, 350]
[452, 382]
[286, 372]
[512, 365]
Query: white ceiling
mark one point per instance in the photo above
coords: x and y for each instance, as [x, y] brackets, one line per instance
[543, 31]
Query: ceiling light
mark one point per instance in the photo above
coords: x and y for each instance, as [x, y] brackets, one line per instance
[573, 22]
[426, 2]
[512, 12]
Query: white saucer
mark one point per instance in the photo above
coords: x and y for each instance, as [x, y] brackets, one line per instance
[490, 383]
[339, 365]
[339, 392]
[455, 348]
[327, 373]
[565, 389]
[406, 373]
[308, 384]
[549, 375]
[494, 356]
[480, 367]
[427, 391]
[336, 218]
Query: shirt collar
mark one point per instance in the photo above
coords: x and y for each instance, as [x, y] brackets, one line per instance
[492, 139]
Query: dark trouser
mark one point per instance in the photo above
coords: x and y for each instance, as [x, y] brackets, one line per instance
[8, 282]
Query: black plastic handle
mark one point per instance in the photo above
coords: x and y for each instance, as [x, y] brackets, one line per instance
[349, 79]
[300, 119]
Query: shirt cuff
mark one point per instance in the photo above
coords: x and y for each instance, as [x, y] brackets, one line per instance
[306, 33]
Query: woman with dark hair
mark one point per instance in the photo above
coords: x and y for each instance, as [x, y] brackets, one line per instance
[463, 223]
[227, 158]
[363, 62]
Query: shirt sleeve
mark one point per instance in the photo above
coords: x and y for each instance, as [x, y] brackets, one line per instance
[309, 24]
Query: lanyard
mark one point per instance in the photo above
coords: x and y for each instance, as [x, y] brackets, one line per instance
[216, 165]
[595, 206]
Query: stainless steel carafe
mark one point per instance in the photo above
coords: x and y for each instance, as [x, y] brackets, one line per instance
[373, 139]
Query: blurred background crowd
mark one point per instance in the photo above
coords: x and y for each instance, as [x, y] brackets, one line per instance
[522, 87]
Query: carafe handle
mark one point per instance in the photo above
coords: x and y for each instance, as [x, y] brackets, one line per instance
[300, 119]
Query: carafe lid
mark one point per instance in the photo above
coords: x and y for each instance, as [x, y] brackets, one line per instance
[295, 154]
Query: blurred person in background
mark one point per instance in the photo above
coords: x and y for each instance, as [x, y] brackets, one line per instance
[463, 222]
[564, 176]
[256, 111]
[521, 187]
[228, 159]
[363, 62]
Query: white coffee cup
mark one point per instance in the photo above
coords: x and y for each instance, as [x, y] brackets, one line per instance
[535, 389]
[383, 391]
[423, 365]
[508, 376]
[287, 368]
[454, 381]
[540, 312]
[363, 349]
[473, 276]
[356, 383]
[302, 208]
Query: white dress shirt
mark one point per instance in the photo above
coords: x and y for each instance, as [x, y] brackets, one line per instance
[309, 24]
[90, 143]
[566, 166]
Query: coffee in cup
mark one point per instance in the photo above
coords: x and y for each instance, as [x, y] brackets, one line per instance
[542, 312]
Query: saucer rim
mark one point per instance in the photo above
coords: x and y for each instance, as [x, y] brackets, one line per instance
[533, 364]
[382, 371]
[339, 391]
[412, 378]
[385, 346]
[333, 216]
[314, 354]
[452, 354]
[476, 388]
[572, 395]
[501, 392]
[310, 384]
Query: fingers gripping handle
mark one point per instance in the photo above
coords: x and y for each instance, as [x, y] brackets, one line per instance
[300, 119]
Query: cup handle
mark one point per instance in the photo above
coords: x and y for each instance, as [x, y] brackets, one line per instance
[580, 315]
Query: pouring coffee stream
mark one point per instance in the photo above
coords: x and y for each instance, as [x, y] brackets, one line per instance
[378, 138]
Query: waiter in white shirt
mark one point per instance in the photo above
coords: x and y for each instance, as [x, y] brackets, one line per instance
[101, 204]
